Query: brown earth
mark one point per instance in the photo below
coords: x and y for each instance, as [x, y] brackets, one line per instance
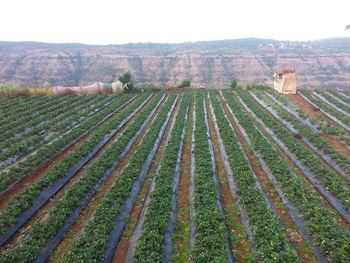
[88, 212]
[43, 213]
[42, 169]
[303, 104]
[235, 228]
[121, 250]
[183, 202]
[336, 144]
[292, 231]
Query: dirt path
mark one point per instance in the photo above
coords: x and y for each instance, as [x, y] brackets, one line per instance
[181, 240]
[310, 110]
[238, 237]
[334, 141]
[304, 105]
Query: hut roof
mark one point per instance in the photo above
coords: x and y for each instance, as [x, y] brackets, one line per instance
[283, 71]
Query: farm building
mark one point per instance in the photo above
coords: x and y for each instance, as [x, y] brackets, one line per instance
[285, 81]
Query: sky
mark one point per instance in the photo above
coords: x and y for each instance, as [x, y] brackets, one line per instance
[170, 21]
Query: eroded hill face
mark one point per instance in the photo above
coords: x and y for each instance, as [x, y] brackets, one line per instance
[323, 63]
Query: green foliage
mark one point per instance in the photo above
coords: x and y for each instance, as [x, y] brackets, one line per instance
[252, 198]
[90, 246]
[28, 196]
[10, 90]
[184, 84]
[257, 86]
[158, 215]
[150, 87]
[125, 78]
[332, 239]
[234, 83]
[41, 232]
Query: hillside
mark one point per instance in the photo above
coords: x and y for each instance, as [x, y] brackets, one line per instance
[323, 63]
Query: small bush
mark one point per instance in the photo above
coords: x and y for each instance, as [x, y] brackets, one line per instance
[11, 90]
[67, 92]
[185, 84]
[234, 83]
[256, 86]
[150, 87]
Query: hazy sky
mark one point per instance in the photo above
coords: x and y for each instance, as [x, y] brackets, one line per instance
[125, 21]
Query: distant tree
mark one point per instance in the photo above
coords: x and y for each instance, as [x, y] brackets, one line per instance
[185, 83]
[347, 27]
[234, 83]
[125, 78]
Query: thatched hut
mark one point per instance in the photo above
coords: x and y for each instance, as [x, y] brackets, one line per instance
[285, 81]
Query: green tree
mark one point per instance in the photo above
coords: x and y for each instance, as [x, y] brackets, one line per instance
[185, 83]
[125, 78]
[234, 83]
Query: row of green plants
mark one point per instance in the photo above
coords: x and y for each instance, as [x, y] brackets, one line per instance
[211, 235]
[47, 151]
[25, 199]
[29, 105]
[91, 245]
[29, 248]
[51, 129]
[19, 106]
[316, 139]
[336, 185]
[27, 121]
[8, 103]
[28, 133]
[335, 102]
[326, 108]
[339, 96]
[152, 243]
[323, 125]
[270, 239]
[333, 239]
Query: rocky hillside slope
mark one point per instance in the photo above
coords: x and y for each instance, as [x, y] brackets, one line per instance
[324, 63]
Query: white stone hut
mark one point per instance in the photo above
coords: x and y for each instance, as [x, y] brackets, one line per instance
[285, 81]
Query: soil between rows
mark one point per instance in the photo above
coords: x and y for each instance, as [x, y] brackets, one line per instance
[44, 211]
[292, 231]
[88, 212]
[125, 241]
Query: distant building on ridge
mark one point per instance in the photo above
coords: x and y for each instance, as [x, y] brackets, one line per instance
[285, 81]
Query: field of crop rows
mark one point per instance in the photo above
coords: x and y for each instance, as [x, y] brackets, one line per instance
[188, 176]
